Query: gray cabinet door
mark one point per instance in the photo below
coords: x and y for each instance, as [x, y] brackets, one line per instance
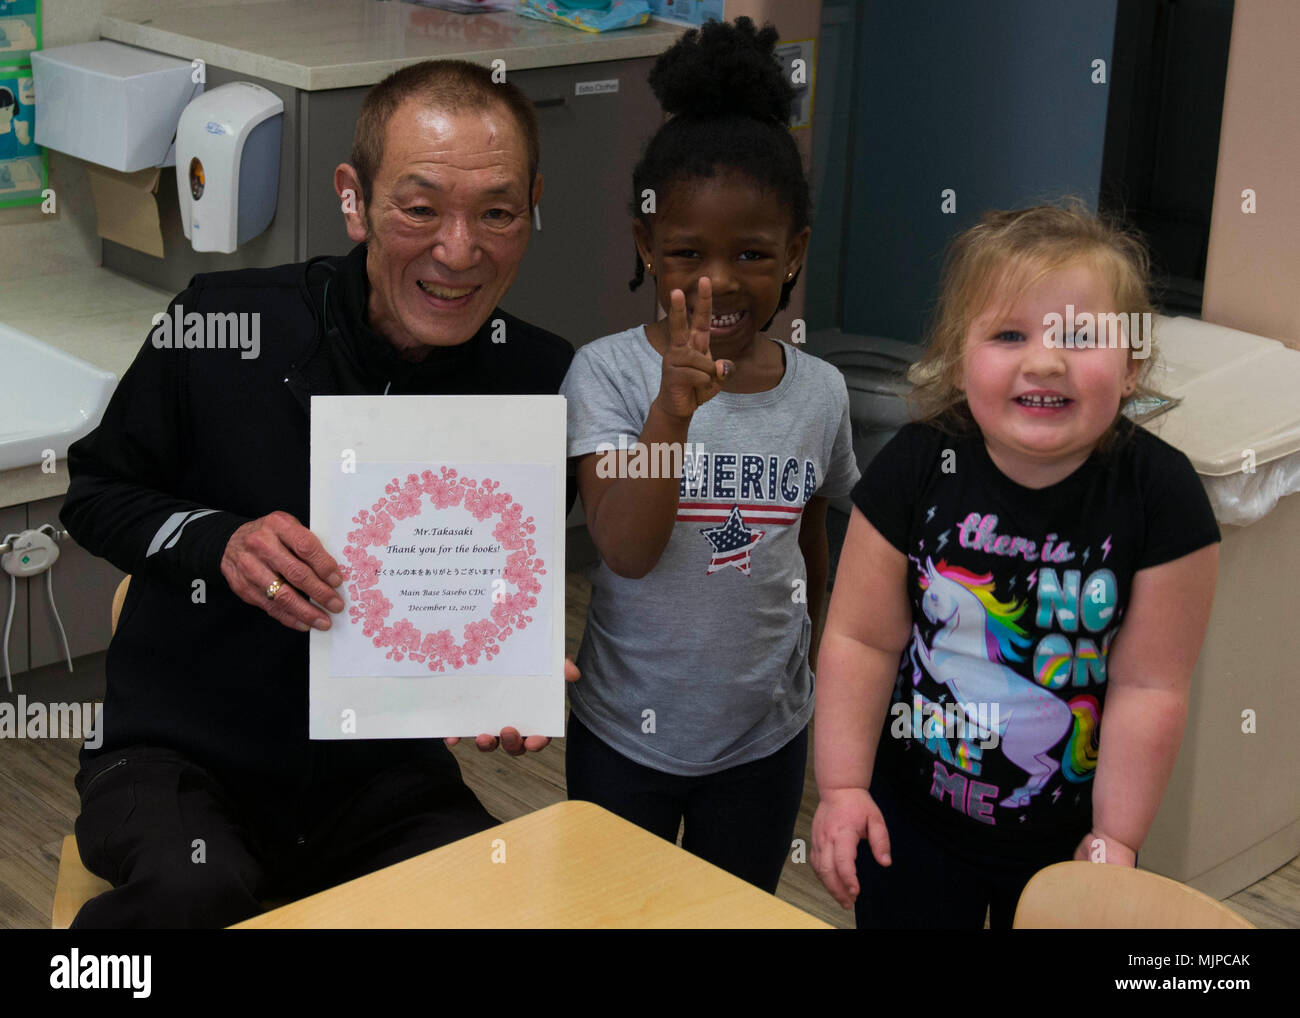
[574, 276]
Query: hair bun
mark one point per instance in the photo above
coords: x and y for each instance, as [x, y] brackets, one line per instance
[724, 70]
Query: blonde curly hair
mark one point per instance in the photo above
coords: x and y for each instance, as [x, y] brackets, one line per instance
[999, 258]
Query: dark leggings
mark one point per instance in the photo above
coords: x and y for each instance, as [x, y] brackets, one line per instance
[740, 819]
[928, 887]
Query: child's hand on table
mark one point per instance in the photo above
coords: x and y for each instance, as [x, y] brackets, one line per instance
[510, 739]
[844, 817]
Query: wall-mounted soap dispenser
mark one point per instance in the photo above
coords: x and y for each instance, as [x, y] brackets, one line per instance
[228, 165]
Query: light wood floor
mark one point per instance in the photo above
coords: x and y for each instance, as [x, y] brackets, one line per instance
[38, 805]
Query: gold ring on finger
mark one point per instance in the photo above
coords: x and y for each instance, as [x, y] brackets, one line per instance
[274, 588]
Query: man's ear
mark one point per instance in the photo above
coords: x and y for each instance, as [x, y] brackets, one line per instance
[347, 185]
[537, 191]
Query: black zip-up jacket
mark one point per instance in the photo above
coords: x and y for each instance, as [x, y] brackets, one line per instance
[197, 442]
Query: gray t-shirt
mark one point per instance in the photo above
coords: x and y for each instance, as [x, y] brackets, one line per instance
[714, 639]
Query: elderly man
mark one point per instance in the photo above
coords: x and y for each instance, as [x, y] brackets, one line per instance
[206, 797]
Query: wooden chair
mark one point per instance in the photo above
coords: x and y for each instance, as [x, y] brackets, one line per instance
[76, 885]
[1096, 896]
[119, 596]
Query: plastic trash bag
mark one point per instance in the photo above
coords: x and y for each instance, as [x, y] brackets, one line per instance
[1242, 498]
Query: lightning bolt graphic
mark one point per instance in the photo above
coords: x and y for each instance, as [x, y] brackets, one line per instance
[943, 539]
[1013, 582]
[1056, 794]
[1086, 553]
[929, 513]
[1105, 548]
[1033, 578]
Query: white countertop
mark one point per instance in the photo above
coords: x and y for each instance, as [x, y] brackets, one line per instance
[322, 44]
[93, 314]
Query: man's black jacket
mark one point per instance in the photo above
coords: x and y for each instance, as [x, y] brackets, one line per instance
[192, 667]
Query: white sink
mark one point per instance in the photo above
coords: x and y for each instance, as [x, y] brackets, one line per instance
[48, 399]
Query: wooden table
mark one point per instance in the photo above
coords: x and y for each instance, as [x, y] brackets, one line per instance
[571, 865]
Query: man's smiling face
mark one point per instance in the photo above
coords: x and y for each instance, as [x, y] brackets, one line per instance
[447, 222]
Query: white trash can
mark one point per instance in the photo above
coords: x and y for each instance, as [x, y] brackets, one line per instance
[1231, 814]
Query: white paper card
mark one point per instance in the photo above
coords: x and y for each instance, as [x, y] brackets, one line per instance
[447, 514]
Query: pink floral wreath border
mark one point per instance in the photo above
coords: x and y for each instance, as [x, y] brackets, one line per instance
[483, 638]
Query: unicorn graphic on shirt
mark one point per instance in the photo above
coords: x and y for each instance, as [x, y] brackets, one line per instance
[978, 633]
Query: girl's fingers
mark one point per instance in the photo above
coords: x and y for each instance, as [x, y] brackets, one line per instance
[703, 315]
[878, 838]
[823, 866]
[697, 375]
[845, 868]
[678, 329]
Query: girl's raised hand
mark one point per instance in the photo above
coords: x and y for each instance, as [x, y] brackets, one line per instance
[844, 817]
[690, 374]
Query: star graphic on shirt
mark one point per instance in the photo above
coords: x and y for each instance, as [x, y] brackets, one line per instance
[731, 543]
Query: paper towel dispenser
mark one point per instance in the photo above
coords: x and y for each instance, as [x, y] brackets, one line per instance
[111, 104]
[228, 165]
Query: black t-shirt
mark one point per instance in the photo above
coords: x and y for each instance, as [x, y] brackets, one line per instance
[1017, 594]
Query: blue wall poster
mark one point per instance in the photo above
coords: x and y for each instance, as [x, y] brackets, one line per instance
[23, 170]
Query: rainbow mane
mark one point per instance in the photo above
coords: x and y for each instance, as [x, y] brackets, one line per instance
[1005, 640]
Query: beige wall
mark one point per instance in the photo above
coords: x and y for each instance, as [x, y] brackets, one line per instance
[1252, 275]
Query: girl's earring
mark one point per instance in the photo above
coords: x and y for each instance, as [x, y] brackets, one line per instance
[649, 268]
